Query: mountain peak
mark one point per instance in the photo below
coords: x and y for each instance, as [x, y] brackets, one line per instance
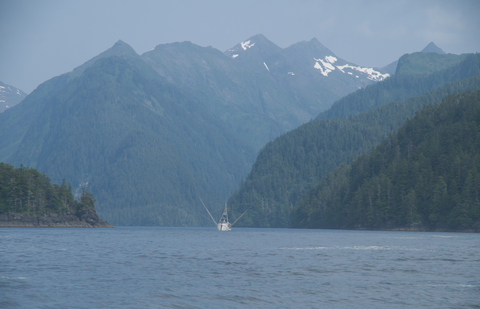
[432, 48]
[313, 47]
[258, 40]
[121, 48]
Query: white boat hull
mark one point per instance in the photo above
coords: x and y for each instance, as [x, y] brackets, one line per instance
[224, 226]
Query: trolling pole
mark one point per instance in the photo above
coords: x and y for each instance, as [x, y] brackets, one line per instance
[241, 215]
[209, 212]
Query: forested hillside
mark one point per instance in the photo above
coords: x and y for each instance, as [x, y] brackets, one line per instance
[427, 173]
[26, 191]
[400, 87]
[287, 167]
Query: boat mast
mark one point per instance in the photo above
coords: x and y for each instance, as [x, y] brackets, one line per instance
[224, 218]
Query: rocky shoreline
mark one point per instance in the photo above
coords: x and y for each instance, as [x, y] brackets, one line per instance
[84, 219]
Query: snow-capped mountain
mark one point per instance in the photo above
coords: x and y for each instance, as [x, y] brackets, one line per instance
[327, 65]
[258, 88]
[302, 56]
[10, 96]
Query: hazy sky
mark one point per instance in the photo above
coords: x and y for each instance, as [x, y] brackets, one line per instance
[43, 39]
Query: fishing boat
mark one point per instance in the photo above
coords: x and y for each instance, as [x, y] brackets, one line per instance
[223, 224]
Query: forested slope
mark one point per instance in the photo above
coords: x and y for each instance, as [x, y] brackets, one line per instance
[287, 167]
[428, 173]
[28, 194]
[26, 191]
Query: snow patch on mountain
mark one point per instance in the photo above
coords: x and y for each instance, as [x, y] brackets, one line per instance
[319, 67]
[326, 65]
[234, 56]
[291, 73]
[266, 66]
[371, 73]
[247, 44]
[331, 59]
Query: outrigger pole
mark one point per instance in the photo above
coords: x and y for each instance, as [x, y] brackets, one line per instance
[241, 215]
[209, 212]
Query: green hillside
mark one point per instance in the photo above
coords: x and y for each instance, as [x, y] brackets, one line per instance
[427, 173]
[287, 167]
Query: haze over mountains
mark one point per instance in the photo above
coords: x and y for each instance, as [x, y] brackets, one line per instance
[150, 134]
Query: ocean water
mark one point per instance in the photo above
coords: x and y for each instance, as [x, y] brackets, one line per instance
[152, 267]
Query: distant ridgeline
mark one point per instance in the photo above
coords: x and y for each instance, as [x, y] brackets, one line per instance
[289, 166]
[426, 176]
[28, 199]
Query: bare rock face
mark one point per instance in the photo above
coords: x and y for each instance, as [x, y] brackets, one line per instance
[88, 218]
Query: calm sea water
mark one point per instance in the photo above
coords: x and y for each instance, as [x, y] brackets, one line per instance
[150, 267]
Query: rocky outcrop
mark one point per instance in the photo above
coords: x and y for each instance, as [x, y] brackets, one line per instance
[88, 218]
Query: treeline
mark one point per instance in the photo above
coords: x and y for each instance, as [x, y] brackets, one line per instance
[26, 191]
[289, 166]
[429, 173]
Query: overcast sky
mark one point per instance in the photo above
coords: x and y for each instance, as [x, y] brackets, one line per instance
[43, 39]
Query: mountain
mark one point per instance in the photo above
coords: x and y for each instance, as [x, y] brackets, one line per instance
[287, 167]
[10, 96]
[423, 177]
[257, 88]
[301, 58]
[432, 48]
[249, 102]
[401, 87]
[145, 148]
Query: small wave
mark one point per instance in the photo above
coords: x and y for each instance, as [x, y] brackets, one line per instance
[306, 248]
[353, 248]
[454, 285]
[367, 248]
[14, 278]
